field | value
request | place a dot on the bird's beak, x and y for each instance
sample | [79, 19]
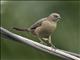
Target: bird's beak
[59, 18]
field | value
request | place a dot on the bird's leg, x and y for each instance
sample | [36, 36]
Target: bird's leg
[41, 41]
[50, 42]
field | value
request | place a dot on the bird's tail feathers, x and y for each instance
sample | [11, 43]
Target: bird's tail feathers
[19, 29]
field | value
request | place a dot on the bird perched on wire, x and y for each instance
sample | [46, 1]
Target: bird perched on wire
[44, 28]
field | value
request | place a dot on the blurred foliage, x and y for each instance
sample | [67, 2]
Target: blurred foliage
[24, 13]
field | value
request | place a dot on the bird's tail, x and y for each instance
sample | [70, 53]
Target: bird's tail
[19, 29]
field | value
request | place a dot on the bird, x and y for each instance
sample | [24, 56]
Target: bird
[44, 28]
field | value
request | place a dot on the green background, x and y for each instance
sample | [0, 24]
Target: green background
[23, 14]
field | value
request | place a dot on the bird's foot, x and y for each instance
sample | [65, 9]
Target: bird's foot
[52, 46]
[43, 43]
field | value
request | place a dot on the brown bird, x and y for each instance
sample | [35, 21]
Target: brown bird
[44, 28]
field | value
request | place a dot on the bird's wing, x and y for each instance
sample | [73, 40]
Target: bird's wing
[37, 24]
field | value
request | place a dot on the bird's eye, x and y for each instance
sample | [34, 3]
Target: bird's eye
[55, 16]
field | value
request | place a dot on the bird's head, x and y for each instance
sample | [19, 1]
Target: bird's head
[55, 17]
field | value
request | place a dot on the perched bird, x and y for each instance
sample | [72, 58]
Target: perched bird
[44, 28]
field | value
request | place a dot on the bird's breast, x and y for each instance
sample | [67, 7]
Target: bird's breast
[45, 29]
[49, 26]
